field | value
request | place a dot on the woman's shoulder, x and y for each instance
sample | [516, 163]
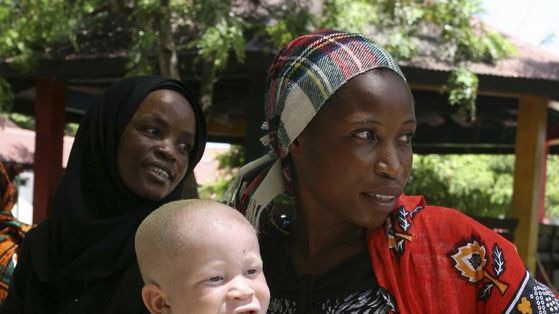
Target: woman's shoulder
[446, 250]
[414, 215]
[417, 207]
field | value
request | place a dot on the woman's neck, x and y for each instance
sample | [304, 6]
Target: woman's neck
[321, 242]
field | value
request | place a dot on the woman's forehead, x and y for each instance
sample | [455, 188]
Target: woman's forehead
[372, 89]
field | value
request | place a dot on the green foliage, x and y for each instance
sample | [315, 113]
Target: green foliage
[71, 128]
[353, 15]
[216, 41]
[28, 25]
[232, 159]
[290, 21]
[23, 121]
[462, 87]
[400, 45]
[494, 46]
[454, 19]
[221, 30]
[228, 164]
[138, 57]
[214, 191]
[468, 43]
[145, 15]
[552, 189]
[475, 184]
[6, 96]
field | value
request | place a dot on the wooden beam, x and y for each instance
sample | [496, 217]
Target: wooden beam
[486, 92]
[528, 173]
[229, 129]
[49, 133]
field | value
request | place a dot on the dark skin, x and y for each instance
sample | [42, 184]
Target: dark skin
[153, 154]
[350, 165]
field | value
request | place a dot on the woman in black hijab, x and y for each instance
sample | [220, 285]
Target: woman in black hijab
[131, 154]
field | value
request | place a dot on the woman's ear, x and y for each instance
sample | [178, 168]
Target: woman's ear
[295, 147]
[154, 298]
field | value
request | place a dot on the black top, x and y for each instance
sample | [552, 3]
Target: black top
[118, 293]
[85, 249]
[349, 287]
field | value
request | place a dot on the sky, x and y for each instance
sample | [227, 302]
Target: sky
[534, 21]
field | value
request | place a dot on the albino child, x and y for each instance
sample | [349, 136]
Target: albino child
[200, 256]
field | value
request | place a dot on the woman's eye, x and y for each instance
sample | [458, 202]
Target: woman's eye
[406, 138]
[183, 147]
[152, 131]
[365, 135]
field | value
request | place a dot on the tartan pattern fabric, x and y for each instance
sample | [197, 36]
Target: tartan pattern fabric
[305, 73]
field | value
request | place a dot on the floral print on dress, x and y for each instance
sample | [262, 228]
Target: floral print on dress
[400, 234]
[470, 260]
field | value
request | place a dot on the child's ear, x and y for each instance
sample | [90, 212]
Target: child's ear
[154, 298]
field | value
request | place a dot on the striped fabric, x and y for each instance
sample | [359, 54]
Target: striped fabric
[303, 76]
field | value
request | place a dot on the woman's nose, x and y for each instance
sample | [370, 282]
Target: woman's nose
[388, 163]
[165, 150]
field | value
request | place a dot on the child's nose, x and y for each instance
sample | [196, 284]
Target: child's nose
[240, 289]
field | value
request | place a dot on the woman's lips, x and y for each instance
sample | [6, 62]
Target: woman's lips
[382, 197]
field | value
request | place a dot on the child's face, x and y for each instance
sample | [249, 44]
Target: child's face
[223, 276]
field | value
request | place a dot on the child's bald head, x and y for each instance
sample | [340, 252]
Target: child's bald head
[174, 228]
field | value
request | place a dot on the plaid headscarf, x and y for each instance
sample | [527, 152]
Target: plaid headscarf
[305, 73]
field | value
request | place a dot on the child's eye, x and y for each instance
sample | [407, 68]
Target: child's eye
[365, 134]
[253, 271]
[215, 279]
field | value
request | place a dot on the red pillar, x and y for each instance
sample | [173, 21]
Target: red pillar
[49, 135]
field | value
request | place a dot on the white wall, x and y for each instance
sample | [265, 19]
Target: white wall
[23, 210]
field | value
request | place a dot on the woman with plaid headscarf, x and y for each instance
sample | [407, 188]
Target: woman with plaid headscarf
[340, 119]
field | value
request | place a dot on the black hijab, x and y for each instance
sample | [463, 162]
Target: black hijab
[90, 234]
